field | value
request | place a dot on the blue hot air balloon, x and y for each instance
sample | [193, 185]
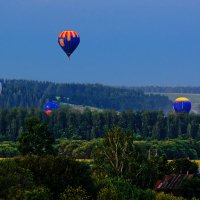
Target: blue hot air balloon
[182, 104]
[68, 40]
[49, 107]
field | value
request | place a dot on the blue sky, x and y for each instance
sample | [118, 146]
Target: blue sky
[123, 42]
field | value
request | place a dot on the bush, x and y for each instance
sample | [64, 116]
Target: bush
[36, 193]
[71, 193]
[107, 193]
[13, 177]
[191, 188]
[8, 149]
[57, 172]
[163, 196]
[118, 189]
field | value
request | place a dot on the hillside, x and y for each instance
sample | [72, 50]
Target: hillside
[27, 94]
[194, 98]
[192, 93]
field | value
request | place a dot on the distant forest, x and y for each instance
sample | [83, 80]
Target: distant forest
[87, 124]
[158, 89]
[27, 94]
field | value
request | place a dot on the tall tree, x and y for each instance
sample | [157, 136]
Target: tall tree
[36, 139]
[116, 150]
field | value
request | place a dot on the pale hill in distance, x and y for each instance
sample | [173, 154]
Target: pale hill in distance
[194, 98]
[192, 93]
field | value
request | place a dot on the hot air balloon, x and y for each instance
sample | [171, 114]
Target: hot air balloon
[68, 40]
[49, 107]
[182, 104]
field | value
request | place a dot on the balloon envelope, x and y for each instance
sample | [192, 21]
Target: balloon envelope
[68, 40]
[49, 107]
[182, 104]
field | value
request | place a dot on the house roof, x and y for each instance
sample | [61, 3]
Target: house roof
[171, 182]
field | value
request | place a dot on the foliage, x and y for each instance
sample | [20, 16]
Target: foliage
[120, 156]
[57, 172]
[184, 166]
[87, 124]
[163, 196]
[117, 149]
[44, 177]
[85, 150]
[118, 189]
[191, 188]
[171, 149]
[66, 147]
[71, 193]
[36, 139]
[13, 177]
[107, 194]
[174, 149]
[79, 149]
[35, 193]
[8, 149]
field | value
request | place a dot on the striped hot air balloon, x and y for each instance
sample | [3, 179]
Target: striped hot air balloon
[68, 40]
[182, 104]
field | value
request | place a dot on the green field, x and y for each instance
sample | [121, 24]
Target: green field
[194, 98]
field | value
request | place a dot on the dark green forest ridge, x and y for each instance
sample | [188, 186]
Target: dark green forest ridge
[26, 94]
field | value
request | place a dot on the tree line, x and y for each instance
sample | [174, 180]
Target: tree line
[171, 149]
[27, 94]
[159, 89]
[84, 149]
[86, 124]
